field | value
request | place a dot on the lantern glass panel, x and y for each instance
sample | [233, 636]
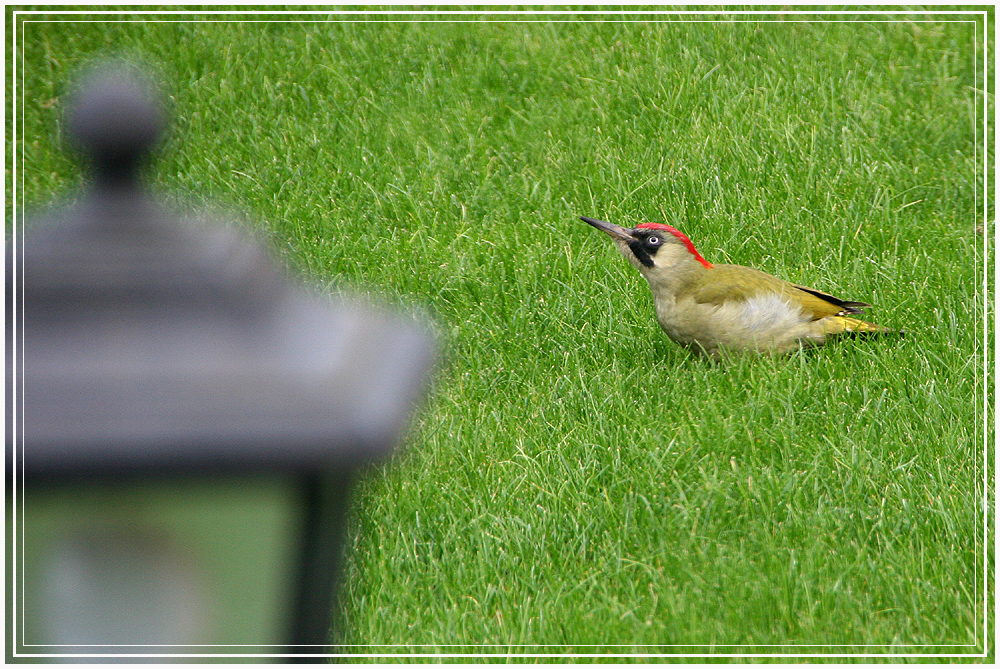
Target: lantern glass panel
[160, 567]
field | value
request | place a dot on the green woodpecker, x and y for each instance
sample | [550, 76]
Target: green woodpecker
[712, 308]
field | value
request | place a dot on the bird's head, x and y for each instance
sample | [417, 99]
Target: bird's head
[652, 247]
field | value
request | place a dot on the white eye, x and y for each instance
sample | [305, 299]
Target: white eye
[653, 241]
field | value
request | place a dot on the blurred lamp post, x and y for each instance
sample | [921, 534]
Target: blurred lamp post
[186, 421]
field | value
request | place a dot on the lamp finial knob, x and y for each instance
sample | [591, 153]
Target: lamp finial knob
[115, 118]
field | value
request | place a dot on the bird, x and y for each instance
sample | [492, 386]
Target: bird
[720, 309]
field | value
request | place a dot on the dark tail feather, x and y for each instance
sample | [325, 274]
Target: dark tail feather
[848, 306]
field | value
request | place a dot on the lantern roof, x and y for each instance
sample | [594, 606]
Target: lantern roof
[155, 340]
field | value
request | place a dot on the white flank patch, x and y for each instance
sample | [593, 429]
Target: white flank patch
[765, 315]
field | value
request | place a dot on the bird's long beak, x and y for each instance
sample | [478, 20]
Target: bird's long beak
[616, 231]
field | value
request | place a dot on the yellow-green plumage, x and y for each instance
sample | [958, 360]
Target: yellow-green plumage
[736, 282]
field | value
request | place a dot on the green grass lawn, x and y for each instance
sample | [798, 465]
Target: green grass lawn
[576, 482]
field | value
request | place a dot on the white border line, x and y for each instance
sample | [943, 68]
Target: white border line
[15, 341]
[986, 329]
[616, 17]
[457, 15]
[508, 12]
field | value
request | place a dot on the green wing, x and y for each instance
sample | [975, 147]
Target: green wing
[735, 283]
